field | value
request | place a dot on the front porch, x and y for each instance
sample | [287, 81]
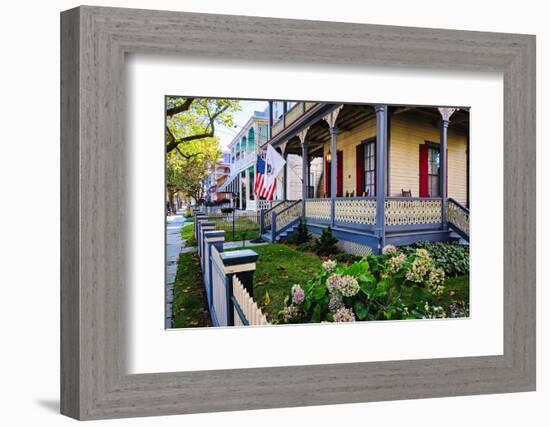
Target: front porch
[406, 221]
[390, 158]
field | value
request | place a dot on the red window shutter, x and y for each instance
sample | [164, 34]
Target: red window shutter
[359, 169]
[339, 175]
[327, 178]
[423, 171]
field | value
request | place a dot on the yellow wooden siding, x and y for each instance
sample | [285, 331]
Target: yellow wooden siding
[346, 142]
[405, 137]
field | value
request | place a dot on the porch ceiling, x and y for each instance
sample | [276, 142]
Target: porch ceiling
[318, 134]
[352, 116]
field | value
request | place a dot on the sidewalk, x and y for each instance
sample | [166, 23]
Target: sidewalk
[174, 246]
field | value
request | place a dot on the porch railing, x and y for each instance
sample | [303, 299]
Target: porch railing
[458, 218]
[318, 209]
[412, 210]
[355, 210]
[267, 204]
[265, 214]
[280, 220]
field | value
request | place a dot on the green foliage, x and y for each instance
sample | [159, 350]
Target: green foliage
[301, 234]
[278, 268]
[345, 258]
[188, 166]
[187, 235]
[226, 210]
[189, 307]
[452, 257]
[391, 286]
[193, 119]
[310, 246]
[327, 243]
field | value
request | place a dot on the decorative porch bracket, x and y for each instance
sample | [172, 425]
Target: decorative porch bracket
[381, 147]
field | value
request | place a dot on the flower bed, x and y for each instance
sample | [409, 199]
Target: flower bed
[392, 286]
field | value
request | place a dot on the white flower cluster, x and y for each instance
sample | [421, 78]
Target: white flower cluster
[290, 312]
[434, 312]
[395, 263]
[346, 286]
[335, 303]
[435, 281]
[421, 265]
[389, 250]
[329, 266]
[344, 315]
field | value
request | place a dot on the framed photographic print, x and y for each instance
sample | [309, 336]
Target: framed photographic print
[322, 212]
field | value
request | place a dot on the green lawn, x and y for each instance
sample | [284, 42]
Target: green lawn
[278, 268]
[242, 225]
[187, 234]
[189, 307]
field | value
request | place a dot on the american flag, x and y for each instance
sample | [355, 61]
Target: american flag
[260, 176]
[266, 182]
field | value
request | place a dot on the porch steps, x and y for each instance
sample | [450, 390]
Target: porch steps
[282, 236]
[455, 237]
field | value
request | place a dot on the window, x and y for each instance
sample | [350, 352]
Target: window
[433, 171]
[369, 178]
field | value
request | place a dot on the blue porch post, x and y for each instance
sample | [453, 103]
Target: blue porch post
[444, 126]
[285, 172]
[381, 147]
[305, 175]
[333, 173]
[270, 110]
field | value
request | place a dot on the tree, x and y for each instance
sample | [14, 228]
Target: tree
[187, 167]
[192, 119]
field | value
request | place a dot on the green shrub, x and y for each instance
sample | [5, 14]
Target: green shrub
[301, 234]
[452, 257]
[310, 246]
[345, 258]
[390, 286]
[226, 210]
[327, 243]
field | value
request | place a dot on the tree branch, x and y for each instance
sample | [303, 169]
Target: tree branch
[207, 134]
[173, 144]
[180, 108]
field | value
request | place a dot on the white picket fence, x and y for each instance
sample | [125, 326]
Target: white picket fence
[229, 301]
[246, 311]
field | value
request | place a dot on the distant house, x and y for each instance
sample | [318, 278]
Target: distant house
[216, 179]
[386, 174]
[243, 151]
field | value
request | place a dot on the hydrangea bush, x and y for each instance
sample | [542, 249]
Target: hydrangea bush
[393, 285]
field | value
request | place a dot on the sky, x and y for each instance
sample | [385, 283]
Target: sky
[226, 134]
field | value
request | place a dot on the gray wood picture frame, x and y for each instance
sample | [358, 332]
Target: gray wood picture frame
[94, 381]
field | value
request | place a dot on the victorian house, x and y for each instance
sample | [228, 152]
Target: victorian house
[388, 174]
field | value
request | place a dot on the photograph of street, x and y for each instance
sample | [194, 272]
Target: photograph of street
[293, 212]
